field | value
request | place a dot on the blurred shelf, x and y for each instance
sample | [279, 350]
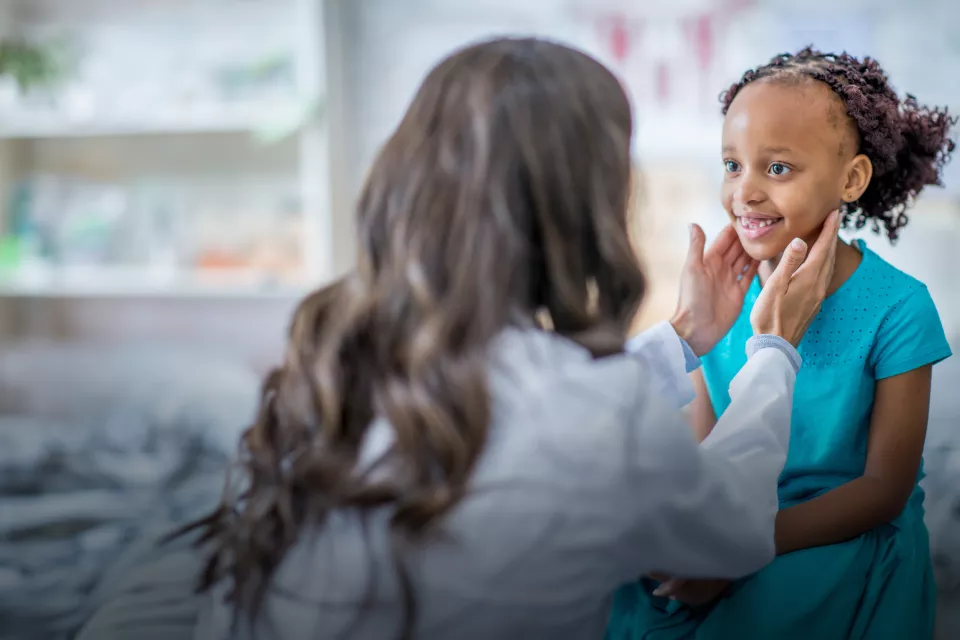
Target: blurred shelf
[127, 283]
[250, 118]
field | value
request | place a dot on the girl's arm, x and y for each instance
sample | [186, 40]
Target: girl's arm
[898, 427]
[700, 412]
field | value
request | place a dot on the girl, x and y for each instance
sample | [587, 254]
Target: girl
[853, 557]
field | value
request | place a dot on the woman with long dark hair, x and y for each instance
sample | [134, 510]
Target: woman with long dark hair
[458, 444]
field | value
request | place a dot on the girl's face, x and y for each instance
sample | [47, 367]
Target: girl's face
[789, 154]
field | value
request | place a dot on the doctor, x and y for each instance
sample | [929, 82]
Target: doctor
[431, 463]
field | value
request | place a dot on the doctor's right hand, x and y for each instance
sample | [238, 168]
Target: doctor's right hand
[793, 294]
[712, 287]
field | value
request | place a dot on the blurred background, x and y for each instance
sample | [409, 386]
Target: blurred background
[175, 174]
[182, 170]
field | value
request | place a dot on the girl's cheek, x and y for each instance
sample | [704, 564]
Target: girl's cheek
[796, 209]
[726, 200]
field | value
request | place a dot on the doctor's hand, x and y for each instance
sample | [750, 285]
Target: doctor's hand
[712, 287]
[694, 593]
[792, 295]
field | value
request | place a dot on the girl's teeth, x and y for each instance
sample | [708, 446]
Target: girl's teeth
[757, 224]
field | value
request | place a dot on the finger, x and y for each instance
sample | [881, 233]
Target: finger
[747, 279]
[829, 234]
[740, 265]
[733, 253]
[826, 244]
[725, 240]
[789, 264]
[823, 254]
[697, 242]
[728, 243]
[669, 588]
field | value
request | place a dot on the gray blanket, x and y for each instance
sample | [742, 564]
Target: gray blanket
[98, 450]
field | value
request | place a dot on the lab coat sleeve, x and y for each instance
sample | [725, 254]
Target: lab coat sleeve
[662, 348]
[705, 510]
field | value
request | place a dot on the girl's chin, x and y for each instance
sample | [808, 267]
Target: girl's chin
[766, 249]
[762, 255]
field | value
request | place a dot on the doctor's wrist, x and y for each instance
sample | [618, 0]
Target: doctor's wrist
[686, 328]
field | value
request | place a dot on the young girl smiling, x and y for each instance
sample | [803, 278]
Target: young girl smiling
[804, 135]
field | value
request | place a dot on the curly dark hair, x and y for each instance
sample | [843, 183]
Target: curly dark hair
[907, 143]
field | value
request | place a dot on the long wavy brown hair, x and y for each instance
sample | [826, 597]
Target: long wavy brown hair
[502, 196]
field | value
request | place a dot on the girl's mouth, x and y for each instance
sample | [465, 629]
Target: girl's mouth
[757, 227]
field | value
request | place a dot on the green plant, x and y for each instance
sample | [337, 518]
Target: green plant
[29, 64]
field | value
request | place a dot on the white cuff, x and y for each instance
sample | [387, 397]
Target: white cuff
[663, 350]
[765, 341]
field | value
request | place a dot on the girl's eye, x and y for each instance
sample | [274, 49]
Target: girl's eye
[731, 166]
[779, 169]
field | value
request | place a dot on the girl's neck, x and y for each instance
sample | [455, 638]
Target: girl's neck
[848, 259]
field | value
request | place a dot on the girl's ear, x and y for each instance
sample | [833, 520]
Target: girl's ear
[859, 172]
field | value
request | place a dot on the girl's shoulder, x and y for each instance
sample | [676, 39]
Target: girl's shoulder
[880, 316]
[885, 284]
[872, 290]
[875, 291]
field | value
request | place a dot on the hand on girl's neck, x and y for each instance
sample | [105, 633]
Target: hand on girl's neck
[848, 259]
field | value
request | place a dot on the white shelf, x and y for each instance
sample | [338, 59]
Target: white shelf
[257, 118]
[133, 283]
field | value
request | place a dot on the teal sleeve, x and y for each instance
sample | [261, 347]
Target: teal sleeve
[911, 336]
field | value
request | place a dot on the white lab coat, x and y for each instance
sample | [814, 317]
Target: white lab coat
[590, 478]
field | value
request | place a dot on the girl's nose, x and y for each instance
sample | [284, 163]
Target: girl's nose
[749, 190]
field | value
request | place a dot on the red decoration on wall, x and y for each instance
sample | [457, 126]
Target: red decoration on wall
[619, 39]
[620, 34]
[703, 41]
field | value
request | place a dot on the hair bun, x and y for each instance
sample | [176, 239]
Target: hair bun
[926, 145]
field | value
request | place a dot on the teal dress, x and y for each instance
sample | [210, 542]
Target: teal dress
[879, 323]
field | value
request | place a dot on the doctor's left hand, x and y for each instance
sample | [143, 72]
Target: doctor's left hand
[694, 593]
[712, 287]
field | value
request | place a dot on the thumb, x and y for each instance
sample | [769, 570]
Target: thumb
[669, 587]
[792, 258]
[698, 241]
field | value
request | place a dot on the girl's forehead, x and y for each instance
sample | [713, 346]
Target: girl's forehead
[802, 114]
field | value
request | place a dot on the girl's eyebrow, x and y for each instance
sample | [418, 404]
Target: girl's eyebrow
[729, 148]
